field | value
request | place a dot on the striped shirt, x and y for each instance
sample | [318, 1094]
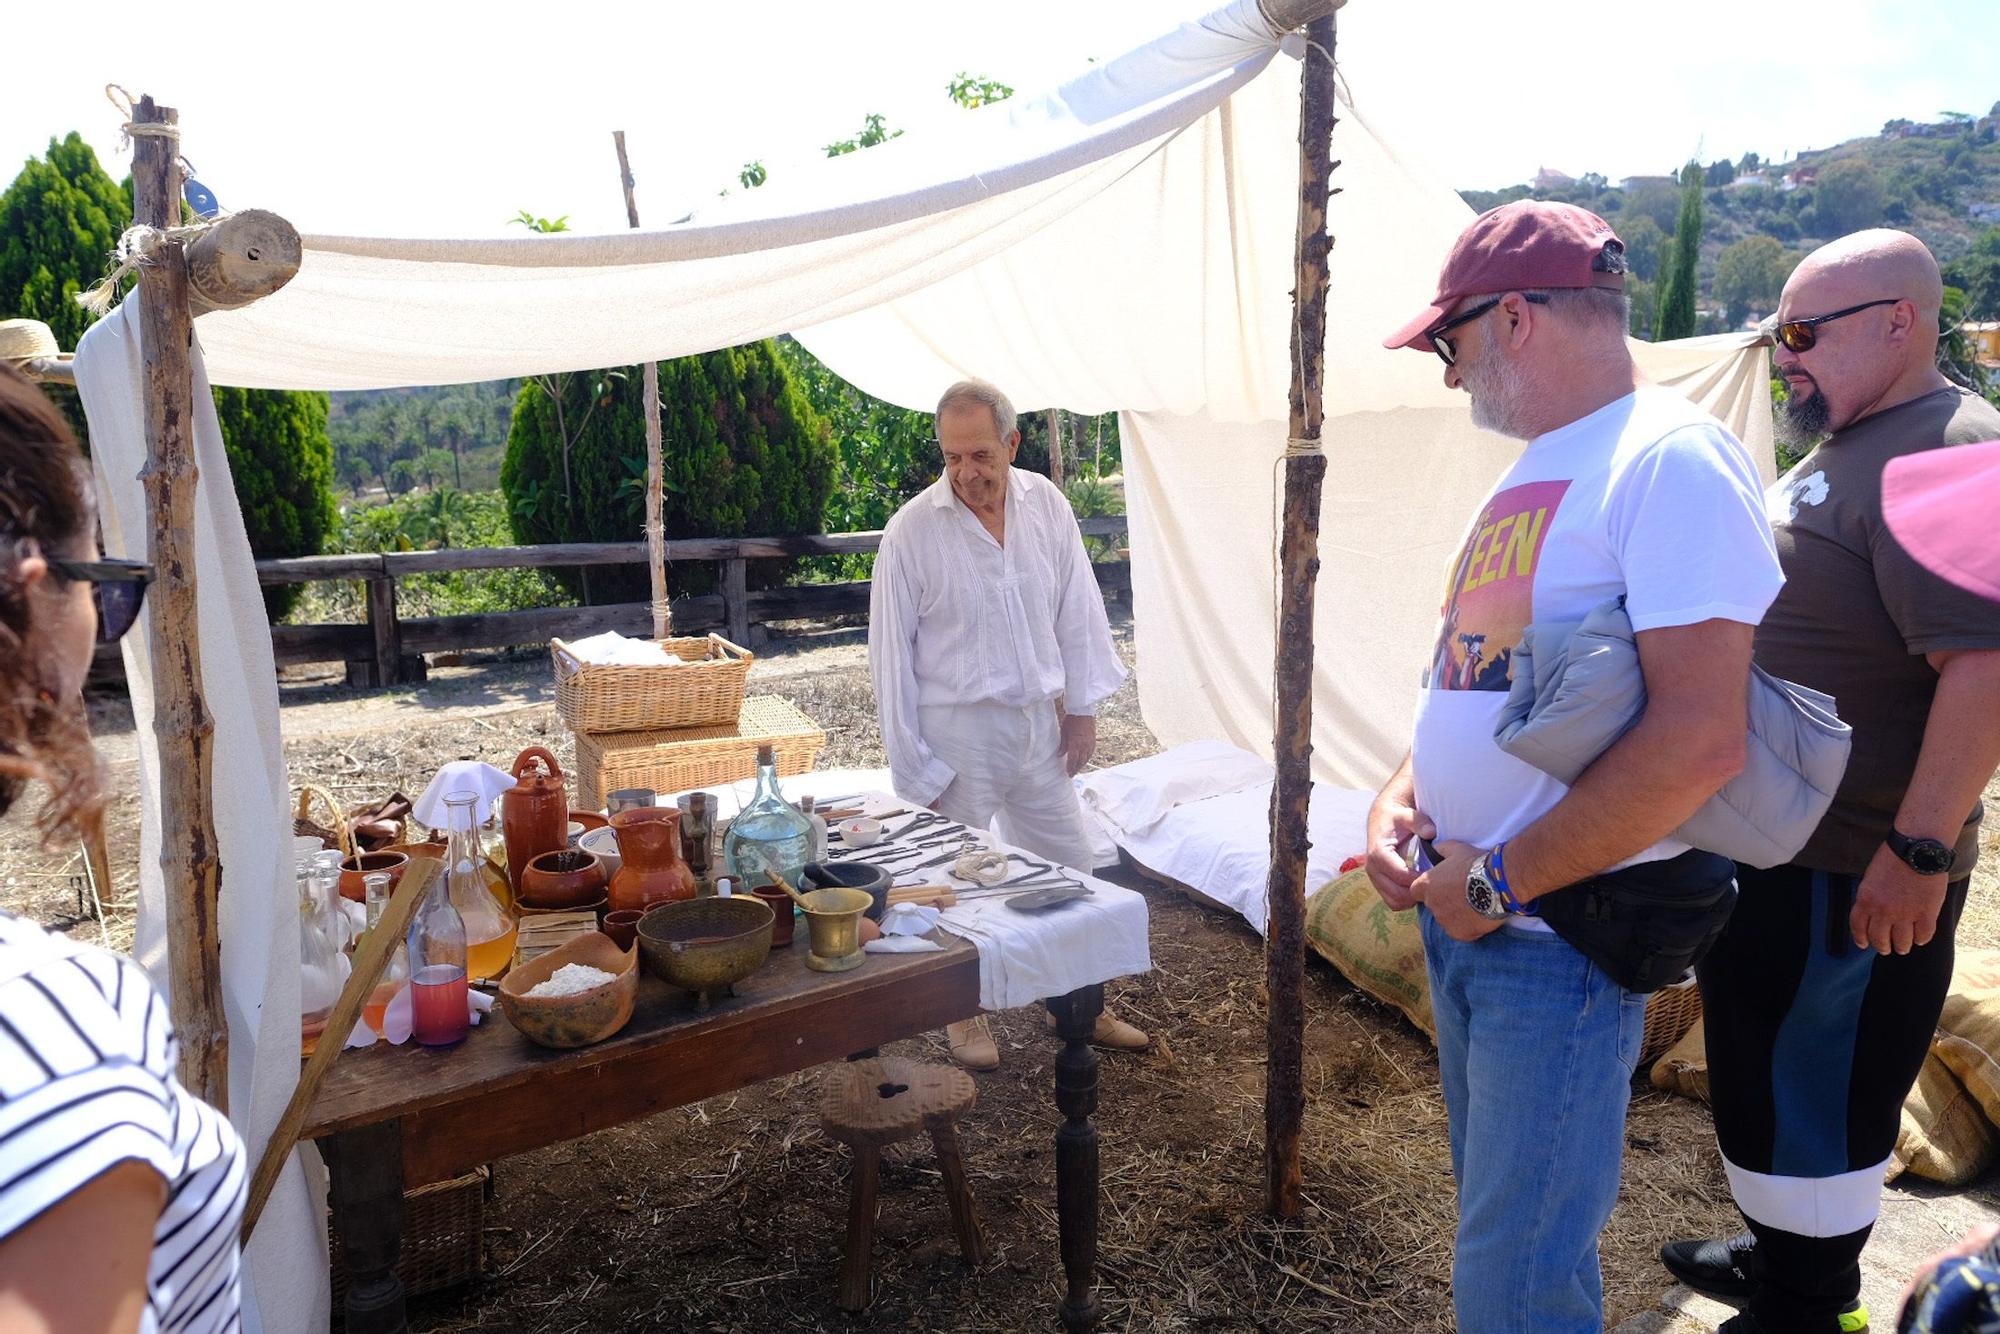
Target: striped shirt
[87, 1082]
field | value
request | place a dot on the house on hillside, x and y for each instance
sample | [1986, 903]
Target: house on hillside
[1984, 335]
[1799, 177]
[1757, 177]
[1548, 178]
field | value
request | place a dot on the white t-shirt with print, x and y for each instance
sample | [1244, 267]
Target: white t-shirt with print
[1650, 497]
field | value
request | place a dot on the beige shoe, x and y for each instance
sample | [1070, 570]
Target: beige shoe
[972, 1044]
[1112, 1032]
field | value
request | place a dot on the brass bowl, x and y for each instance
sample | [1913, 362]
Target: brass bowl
[706, 945]
[579, 1020]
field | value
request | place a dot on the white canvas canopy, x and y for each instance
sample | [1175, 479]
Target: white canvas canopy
[1123, 242]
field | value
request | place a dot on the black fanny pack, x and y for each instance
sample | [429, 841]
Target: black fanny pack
[1648, 924]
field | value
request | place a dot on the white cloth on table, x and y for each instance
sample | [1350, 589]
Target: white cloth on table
[1133, 795]
[1026, 957]
[958, 618]
[1009, 776]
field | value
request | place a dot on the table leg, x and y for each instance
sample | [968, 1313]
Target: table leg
[1076, 1152]
[365, 1185]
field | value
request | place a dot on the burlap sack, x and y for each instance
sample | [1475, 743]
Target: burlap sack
[1945, 1137]
[1968, 1037]
[1380, 951]
[1684, 1067]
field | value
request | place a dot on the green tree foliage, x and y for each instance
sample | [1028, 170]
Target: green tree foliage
[1645, 245]
[59, 222]
[281, 464]
[744, 454]
[1654, 197]
[1977, 274]
[1849, 196]
[1677, 297]
[1720, 173]
[1750, 274]
[544, 225]
[874, 130]
[972, 91]
[1957, 358]
[752, 175]
[887, 454]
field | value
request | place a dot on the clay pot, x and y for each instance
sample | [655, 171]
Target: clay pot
[650, 868]
[534, 813]
[781, 907]
[588, 819]
[565, 879]
[353, 871]
[622, 927]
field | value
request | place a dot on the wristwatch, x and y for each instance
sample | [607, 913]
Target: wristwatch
[1482, 891]
[1925, 856]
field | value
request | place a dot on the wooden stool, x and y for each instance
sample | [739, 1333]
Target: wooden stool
[869, 1104]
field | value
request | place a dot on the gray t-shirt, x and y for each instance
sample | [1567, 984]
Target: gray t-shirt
[1857, 615]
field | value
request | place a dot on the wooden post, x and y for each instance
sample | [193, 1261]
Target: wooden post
[388, 634]
[736, 600]
[182, 726]
[1076, 1153]
[1305, 470]
[240, 259]
[656, 545]
[1055, 446]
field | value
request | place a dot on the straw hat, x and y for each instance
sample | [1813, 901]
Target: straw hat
[28, 340]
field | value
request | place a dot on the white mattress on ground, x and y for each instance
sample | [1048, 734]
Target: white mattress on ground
[1221, 844]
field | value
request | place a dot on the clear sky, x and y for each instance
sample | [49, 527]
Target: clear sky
[433, 118]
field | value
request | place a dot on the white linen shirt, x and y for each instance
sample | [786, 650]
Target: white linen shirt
[957, 618]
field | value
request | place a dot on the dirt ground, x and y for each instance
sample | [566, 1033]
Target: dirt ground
[729, 1215]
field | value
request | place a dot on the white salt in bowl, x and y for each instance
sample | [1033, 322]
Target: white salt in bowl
[604, 844]
[860, 832]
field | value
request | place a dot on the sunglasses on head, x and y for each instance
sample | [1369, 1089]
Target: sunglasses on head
[1446, 349]
[1800, 335]
[117, 588]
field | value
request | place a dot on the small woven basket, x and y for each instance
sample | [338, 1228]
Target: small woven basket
[674, 761]
[1670, 1013]
[444, 1229]
[706, 690]
[304, 825]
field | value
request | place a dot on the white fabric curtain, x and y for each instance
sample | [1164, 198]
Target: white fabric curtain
[285, 1284]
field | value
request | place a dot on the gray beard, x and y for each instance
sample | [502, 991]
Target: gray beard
[1804, 420]
[1498, 387]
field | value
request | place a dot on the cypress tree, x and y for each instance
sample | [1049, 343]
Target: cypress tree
[1677, 296]
[281, 466]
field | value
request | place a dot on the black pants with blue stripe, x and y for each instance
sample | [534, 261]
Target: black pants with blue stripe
[1813, 1044]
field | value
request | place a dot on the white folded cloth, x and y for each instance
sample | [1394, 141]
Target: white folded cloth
[909, 919]
[614, 649]
[901, 945]
[482, 780]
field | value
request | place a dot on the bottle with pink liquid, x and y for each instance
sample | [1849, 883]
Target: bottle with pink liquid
[436, 945]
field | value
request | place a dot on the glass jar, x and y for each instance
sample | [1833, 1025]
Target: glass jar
[323, 967]
[769, 836]
[489, 927]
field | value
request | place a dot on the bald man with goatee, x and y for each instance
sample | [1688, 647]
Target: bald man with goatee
[1822, 994]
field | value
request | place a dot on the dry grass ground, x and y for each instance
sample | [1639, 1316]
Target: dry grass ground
[729, 1215]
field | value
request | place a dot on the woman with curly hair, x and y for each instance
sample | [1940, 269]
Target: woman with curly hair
[121, 1193]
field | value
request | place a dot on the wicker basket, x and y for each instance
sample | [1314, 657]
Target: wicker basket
[303, 824]
[696, 756]
[444, 1228]
[706, 690]
[1670, 1013]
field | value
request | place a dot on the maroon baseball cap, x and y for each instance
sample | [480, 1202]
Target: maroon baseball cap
[1527, 246]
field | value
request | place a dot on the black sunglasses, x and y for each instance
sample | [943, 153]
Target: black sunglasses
[1446, 349]
[117, 588]
[1799, 335]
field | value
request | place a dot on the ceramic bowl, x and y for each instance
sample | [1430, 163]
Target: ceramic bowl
[860, 832]
[603, 845]
[579, 1020]
[570, 878]
[353, 872]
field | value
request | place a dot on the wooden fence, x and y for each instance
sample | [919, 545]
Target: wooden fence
[385, 649]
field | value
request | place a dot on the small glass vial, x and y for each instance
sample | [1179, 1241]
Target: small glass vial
[396, 972]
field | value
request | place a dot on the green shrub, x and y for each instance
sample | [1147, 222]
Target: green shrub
[281, 464]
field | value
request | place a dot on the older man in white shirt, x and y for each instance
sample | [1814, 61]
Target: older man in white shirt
[991, 652]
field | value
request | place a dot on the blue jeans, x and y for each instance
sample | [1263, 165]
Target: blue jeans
[1536, 1046]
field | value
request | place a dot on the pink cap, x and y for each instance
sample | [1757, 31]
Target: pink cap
[1940, 504]
[1526, 246]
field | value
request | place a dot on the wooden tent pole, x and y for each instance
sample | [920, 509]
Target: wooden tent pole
[1305, 470]
[656, 532]
[183, 729]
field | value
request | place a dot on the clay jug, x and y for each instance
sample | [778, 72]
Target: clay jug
[534, 813]
[651, 869]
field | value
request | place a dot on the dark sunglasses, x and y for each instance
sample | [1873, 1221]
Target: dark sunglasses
[1799, 335]
[1446, 349]
[117, 588]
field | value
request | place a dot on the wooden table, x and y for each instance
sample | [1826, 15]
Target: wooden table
[391, 1118]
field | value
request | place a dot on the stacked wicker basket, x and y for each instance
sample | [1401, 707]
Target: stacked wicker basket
[673, 727]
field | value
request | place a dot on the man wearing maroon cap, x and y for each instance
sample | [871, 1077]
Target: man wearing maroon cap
[1623, 490]
[1824, 992]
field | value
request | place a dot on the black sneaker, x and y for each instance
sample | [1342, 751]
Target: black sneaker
[1854, 1320]
[1725, 1268]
